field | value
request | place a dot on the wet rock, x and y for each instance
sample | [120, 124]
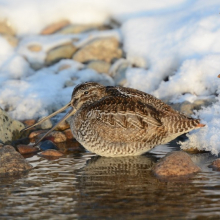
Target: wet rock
[23, 141]
[50, 153]
[58, 136]
[36, 65]
[6, 28]
[33, 134]
[175, 164]
[118, 71]
[64, 51]
[11, 161]
[55, 136]
[9, 128]
[45, 145]
[63, 126]
[35, 47]
[26, 149]
[105, 49]
[29, 122]
[68, 133]
[215, 165]
[99, 66]
[46, 124]
[52, 28]
[76, 29]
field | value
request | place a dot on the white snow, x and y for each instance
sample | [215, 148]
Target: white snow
[173, 46]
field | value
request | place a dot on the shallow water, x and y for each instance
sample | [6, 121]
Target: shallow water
[81, 185]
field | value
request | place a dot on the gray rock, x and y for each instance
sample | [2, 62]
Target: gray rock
[46, 124]
[188, 107]
[118, 71]
[76, 29]
[11, 162]
[175, 164]
[64, 51]
[9, 128]
[99, 66]
[105, 49]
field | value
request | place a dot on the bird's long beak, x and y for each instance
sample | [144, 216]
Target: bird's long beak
[71, 112]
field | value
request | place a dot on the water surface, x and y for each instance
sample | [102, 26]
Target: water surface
[81, 185]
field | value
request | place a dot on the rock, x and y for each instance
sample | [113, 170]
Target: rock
[76, 29]
[63, 126]
[45, 145]
[52, 28]
[35, 47]
[6, 28]
[51, 153]
[26, 149]
[54, 136]
[29, 122]
[12, 40]
[118, 71]
[36, 133]
[23, 141]
[99, 66]
[64, 67]
[175, 164]
[36, 65]
[11, 161]
[9, 128]
[69, 83]
[188, 107]
[64, 51]
[68, 133]
[215, 165]
[58, 136]
[105, 49]
[46, 124]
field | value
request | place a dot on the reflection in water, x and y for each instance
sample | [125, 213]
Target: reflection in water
[84, 186]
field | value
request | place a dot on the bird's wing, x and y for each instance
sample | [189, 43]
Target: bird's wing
[121, 118]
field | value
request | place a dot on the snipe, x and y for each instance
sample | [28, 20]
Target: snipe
[118, 121]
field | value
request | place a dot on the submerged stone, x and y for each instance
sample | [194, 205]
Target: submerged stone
[45, 145]
[175, 164]
[51, 153]
[215, 165]
[26, 149]
[11, 161]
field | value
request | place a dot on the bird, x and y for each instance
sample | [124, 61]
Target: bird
[116, 121]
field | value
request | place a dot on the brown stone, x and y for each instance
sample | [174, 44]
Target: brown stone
[5, 28]
[51, 153]
[26, 149]
[76, 29]
[215, 165]
[99, 66]
[64, 67]
[54, 136]
[52, 28]
[63, 126]
[11, 161]
[64, 51]
[68, 133]
[12, 40]
[36, 133]
[99, 49]
[35, 47]
[29, 122]
[175, 164]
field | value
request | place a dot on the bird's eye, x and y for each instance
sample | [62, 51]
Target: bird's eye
[86, 92]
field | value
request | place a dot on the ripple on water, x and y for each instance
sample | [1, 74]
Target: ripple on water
[84, 186]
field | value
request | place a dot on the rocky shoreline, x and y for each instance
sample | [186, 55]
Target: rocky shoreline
[100, 50]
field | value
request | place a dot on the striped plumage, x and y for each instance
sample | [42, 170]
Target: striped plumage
[119, 121]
